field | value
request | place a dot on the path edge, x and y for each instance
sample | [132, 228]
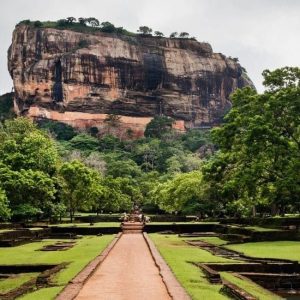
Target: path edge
[72, 289]
[174, 288]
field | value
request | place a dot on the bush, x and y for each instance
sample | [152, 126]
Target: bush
[6, 106]
[60, 130]
[84, 142]
[62, 22]
[4, 206]
[37, 24]
[158, 126]
[25, 22]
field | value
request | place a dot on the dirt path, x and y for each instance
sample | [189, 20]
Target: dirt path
[128, 273]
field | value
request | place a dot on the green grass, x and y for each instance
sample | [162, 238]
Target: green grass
[80, 255]
[177, 254]
[208, 239]
[260, 229]
[5, 230]
[13, 282]
[117, 224]
[189, 222]
[248, 285]
[41, 294]
[96, 225]
[278, 249]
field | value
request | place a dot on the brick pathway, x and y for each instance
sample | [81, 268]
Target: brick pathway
[128, 273]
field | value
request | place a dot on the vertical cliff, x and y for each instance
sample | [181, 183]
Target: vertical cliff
[80, 78]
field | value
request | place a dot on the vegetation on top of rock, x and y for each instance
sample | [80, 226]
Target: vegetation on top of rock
[93, 25]
[145, 30]
[84, 25]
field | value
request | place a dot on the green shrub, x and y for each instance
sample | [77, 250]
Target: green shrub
[6, 106]
[60, 130]
[37, 24]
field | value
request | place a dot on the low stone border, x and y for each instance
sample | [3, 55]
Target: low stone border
[212, 275]
[174, 288]
[72, 289]
[236, 292]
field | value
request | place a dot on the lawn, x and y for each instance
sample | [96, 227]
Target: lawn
[13, 282]
[5, 230]
[260, 229]
[179, 223]
[96, 225]
[277, 249]
[117, 224]
[80, 255]
[178, 254]
[250, 286]
[208, 239]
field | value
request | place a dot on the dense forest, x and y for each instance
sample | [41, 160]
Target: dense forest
[249, 165]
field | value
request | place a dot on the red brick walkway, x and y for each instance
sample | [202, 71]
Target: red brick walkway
[127, 273]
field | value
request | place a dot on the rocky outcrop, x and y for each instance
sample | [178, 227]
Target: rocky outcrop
[79, 78]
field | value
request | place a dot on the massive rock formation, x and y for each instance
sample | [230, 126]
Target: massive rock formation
[79, 78]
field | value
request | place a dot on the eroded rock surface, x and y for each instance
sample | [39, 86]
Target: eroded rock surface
[79, 78]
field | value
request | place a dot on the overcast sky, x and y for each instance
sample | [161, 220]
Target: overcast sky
[263, 34]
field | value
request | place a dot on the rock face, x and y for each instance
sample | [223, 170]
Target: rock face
[80, 78]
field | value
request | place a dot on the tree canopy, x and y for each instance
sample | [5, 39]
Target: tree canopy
[259, 145]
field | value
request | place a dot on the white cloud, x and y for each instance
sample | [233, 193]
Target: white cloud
[261, 33]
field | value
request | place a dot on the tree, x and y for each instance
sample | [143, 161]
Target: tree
[158, 126]
[93, 22]
[194, 139]
[37, 24]
[147, 154]
[5, 211]
[181, 191]
[26, 212]
[80, 186]
[123, 168]
[110, 143]
[145, 30]
[258, 156]
[62, 22]
[27, 187]
[28, 163]
[71, 20]
[113, 120]
[184, 35]
[118, 194]
[108, 27]
[83, 21]
[113, 123]
[59, 130]
[173, 35]
[6, 107]
[84, 142]
[183, 162]
[23, 146]
[158, 33]
[94, 160]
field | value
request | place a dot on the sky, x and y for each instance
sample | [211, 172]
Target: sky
[263, 34]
